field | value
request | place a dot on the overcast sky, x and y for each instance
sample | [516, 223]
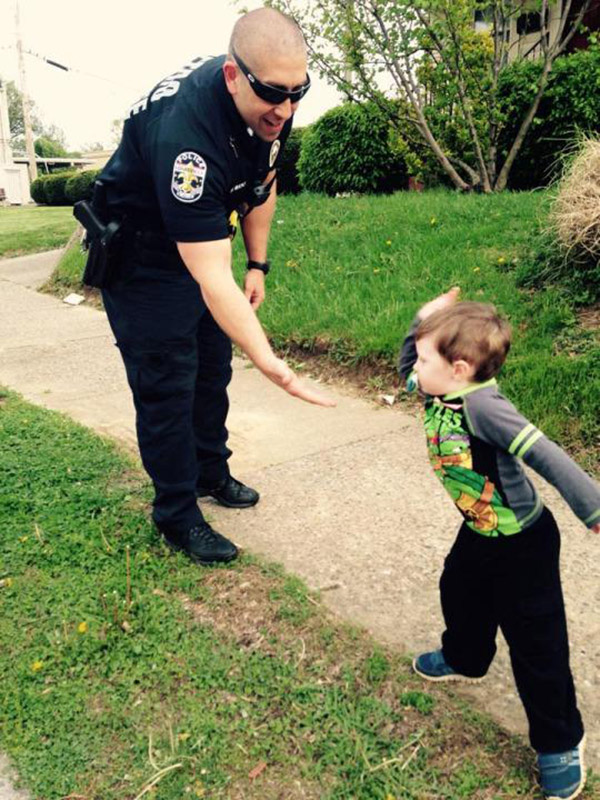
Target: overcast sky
[128, 44]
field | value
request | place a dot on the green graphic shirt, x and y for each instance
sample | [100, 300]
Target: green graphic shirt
[476, 440]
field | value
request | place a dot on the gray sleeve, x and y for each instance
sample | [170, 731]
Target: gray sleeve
[408, 353]
[494, 419]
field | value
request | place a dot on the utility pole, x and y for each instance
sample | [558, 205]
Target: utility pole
[6, 156]
[29, 148]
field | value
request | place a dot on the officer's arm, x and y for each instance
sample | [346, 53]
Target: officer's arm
[210, 265]
[257, 224]
[255, 227]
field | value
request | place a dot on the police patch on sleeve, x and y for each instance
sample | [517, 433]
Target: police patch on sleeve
[275, 147]
[189, 173]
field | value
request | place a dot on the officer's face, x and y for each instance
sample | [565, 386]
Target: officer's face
[266, 119]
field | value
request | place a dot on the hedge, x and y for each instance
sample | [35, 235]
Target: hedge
[37, 190]
[54, 188]
[64, 188]
[349, 149]
[80, 185]
[288, 180]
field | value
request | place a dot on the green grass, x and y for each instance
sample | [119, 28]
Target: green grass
[121, 662]
[32, 230]
[350, 273]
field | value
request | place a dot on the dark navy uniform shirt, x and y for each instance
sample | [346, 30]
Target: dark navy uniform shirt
[187, 159]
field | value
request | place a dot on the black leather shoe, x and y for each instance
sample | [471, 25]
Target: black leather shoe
[201, 543]
[231, 493]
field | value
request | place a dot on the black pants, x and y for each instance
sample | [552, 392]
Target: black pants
[178, 364]
[513, 582]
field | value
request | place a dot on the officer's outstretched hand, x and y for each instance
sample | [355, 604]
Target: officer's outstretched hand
[254, 287]
[283, 376]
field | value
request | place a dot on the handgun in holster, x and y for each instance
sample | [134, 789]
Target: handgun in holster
[102, 238]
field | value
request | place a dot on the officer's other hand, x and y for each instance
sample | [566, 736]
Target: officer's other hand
[279, 372]
[254, 287]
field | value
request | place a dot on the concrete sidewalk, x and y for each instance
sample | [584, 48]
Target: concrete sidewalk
[349, 501]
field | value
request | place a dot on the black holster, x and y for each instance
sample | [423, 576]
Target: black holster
[103, 238]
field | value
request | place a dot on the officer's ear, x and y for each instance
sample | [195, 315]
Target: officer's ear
[231, 73]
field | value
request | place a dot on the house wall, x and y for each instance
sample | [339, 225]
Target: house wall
[14, 179]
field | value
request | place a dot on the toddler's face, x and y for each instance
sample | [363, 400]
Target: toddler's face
[436, 375]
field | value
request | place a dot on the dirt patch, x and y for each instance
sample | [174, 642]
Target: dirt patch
[274, 784]
[589, 318]
[272, 615]
[369, 377]
[251, 606]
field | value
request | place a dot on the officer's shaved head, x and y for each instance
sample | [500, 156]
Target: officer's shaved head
[265, 33]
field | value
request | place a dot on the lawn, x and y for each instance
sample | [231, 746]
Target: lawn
[26, 230]
[124, 666]
[349, 274]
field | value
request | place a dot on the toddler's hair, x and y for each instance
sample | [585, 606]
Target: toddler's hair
[472, 332]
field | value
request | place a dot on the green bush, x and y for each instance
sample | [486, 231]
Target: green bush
[49, 148]
[54, 188]
[349, 149]
[37, 190]
[570, 105]
[288, 180]
[80, 185]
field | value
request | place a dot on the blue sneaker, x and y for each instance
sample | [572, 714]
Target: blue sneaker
[562, 775]
[433, 667]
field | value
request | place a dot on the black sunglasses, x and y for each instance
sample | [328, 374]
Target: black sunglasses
[272, 94]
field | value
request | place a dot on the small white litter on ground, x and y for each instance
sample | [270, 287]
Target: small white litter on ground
[74, 299]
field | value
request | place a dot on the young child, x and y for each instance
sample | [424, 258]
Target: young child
[503, 569]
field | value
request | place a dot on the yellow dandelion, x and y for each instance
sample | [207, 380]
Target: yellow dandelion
[37, 666]
[476, 269]
[23, 539]
[6, 583]
[375, 271]
[388, 241]
[433, 221]
[82, 627]
[501, 260]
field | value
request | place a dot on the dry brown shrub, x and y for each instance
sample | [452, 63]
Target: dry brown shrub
[576, 212]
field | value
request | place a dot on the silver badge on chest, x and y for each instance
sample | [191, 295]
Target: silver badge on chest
[275, 148]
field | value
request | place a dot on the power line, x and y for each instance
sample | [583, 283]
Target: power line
[53, 63]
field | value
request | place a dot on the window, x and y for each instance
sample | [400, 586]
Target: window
[530, 22]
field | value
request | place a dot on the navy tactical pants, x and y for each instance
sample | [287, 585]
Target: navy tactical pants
[178, 364]
[513, 582]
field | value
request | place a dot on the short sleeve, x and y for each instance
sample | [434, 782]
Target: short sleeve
[191, 189]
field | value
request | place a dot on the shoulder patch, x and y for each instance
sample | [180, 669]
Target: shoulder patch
[189, 173]
[275, 147]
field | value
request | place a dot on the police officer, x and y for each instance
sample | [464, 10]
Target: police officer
[202, 146]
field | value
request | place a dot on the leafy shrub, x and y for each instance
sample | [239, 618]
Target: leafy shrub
[80, 185]
[54, 188]
[288, 180]
[37, 190]
[49, 148]
[350, 149]
[570, 105]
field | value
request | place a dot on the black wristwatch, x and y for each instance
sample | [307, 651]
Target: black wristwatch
[263, 266]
